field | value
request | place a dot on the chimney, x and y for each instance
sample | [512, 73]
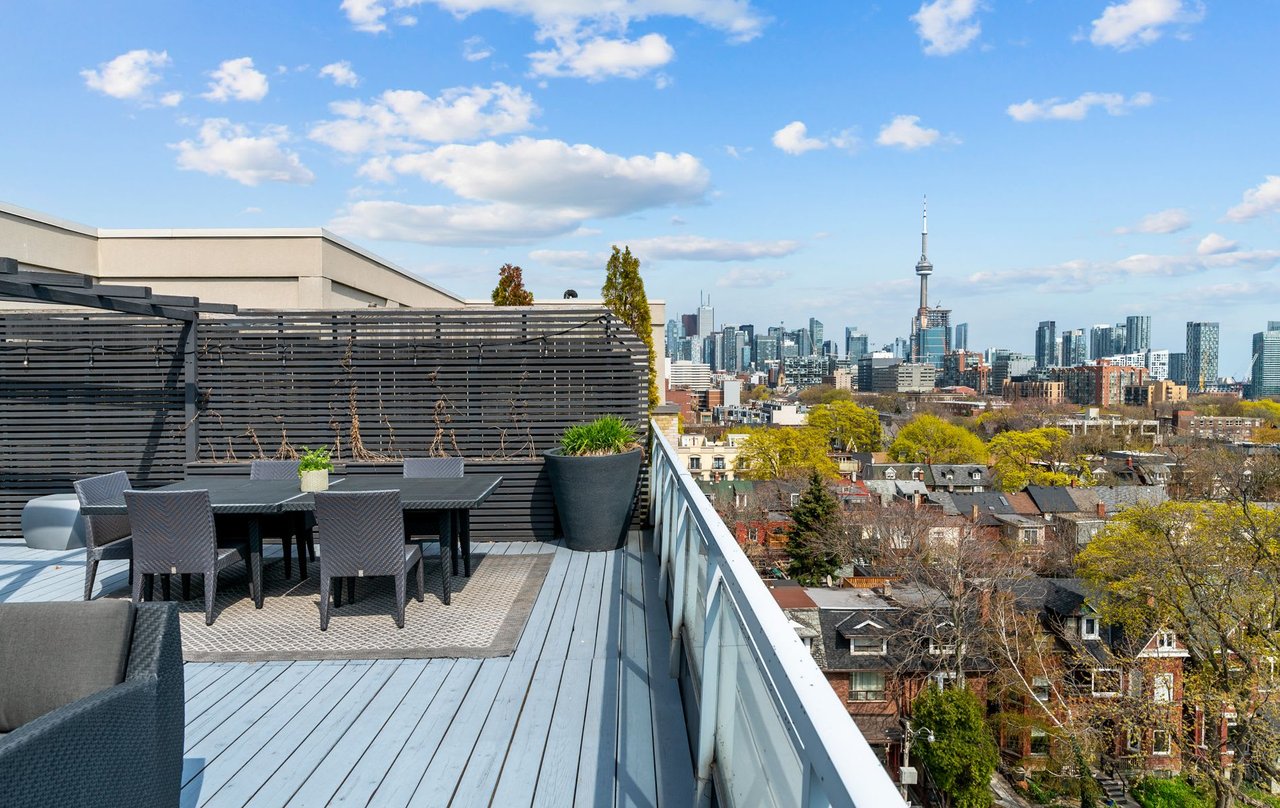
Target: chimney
[1102, 509]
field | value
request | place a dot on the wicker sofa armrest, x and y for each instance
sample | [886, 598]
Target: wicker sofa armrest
[96, 751]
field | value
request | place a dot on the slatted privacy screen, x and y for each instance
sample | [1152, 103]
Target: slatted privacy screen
[496, 386]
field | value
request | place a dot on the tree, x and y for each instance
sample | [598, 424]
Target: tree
[758, 393]
[1208, 572]
[929, 439]
[1033, 457]
[814, 517]
[956, 745]
[772, 452]
[624, 295]
[510, 290]
[847, 426]
[823, 394]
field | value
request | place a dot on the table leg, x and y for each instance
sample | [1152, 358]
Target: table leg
[465, 518]
[255, 561]
[304, 537]
[446, 553]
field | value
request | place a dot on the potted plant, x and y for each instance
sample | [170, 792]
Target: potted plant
[593, 476]
[313, 469]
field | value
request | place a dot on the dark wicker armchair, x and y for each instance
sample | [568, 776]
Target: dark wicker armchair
[173, 533]
[105, 680]
[105, 536]
[362, 536]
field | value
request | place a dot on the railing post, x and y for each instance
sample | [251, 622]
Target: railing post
[676, 522]
[656, 459]
[708, 703]
[680, 595]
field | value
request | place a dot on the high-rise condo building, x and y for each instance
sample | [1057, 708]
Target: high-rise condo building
[1266, 362]
[1046, 344]
[961, 341]
[1202, 356]
[706, 319]
[815, 336]
[855, 343]
[1137, 333]
[1075, 348]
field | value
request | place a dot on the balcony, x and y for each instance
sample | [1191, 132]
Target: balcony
[661, 673]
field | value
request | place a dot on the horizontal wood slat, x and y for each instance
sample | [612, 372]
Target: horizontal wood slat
[86, 394]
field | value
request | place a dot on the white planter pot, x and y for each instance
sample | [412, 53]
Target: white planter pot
[315, 480]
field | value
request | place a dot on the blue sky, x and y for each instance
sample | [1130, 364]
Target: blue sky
[1083, 161]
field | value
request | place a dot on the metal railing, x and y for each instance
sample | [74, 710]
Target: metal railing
[771, 731]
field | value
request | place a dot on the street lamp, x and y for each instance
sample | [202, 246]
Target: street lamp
[907, 772]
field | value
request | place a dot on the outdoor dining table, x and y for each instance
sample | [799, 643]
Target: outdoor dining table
[449, 499]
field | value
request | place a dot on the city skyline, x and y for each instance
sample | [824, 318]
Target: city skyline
[774, 153]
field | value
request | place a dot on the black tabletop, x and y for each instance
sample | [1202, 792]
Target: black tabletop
[238, 495]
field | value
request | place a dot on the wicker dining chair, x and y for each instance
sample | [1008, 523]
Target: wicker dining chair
[362, 536]
[104, 536]
[290, 527]
[173, 533]
[420, 467]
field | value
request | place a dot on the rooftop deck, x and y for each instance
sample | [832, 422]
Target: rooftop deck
[583, 713]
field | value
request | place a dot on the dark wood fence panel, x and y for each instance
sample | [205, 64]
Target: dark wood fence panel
[83, 395]
[496, 386]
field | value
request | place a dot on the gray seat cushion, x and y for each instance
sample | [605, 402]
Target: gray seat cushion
[57, 653]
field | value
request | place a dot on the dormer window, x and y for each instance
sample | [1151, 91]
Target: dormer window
[1089, 628]
[866, 645]
[977, 475]
[1165, 641]
[943, 648]
[917, 474]
[890, 474]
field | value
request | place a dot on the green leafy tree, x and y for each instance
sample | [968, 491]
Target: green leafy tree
[1019, 458]
[929, 439]
[847, 426]
[510, 290]
[823, 394]
[956, 745]
[772, 452]
[759, 393]
[814, 518]
[1208, 572]
[624, 295]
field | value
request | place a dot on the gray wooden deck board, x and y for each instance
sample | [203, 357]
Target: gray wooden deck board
[583, 712]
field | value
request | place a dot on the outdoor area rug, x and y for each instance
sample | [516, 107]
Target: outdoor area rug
[485, 619]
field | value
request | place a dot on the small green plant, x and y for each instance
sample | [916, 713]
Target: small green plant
[1153, 792]
[604, 436]
[315, 460]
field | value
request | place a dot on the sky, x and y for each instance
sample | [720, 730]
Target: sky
[1083, 161]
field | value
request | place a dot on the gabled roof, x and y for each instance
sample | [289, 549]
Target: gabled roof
[986, 502]
[960, 474]
[1119, 497]
[1023, 503]
[1052, 498]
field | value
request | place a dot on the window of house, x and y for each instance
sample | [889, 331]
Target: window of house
[936, 647]
[1089, 628]
[945, 680]
[695, 462]
[753, 534]
[795, 497]
[1133, 740]
[1040, 688]
[1163, 688]
[1165, 641]
[1161, 742]
[1106, 682]
[917, 474]
[1030, 535]
[977, 475]
[890, 474]
[866, 686]
[1039, 741]
[866, 645]
[717, 463]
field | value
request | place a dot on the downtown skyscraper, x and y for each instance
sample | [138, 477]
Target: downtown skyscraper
[1202, 356]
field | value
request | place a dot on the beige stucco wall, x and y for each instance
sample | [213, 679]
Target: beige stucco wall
[47, 243]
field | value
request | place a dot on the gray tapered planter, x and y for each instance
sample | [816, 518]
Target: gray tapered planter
[594, 497]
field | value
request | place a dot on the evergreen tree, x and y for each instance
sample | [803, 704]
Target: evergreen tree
[813, 519]
[624, 295]
[956, 745]
[510, 290]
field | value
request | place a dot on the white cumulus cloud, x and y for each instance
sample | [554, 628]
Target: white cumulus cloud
[237, 80]
[701, 248]
[522, 191]
[1171, 220]
[130, 75]
[399, 120]
[750, 277]
[224, 149]
[341, 74]
[905, 132]
[794, 139]
[947, 26]
[1214, 244]
[366, 15]
[1055, 109]
[1259, 200]
[1132, 23]
[599, 58]
[1080, 276]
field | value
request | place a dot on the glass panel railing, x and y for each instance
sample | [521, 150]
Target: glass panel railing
[771, 731]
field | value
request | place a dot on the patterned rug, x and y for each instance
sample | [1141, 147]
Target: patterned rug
[485, 619]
